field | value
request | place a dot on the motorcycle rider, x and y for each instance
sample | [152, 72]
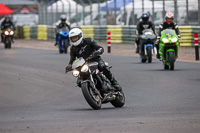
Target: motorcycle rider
[60, 24]
[7, 23]
[143, 24]
[87, 47]
[167, 24]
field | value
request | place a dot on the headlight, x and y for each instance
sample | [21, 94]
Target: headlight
[84, 68]
[165, 40]
[12, 32]
[6, 33]
[174, 40]
[75, 73]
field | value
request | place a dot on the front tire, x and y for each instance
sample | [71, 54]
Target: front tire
[65, 45]
[93, 100]
[5, 43]
[149, 54]
[119, 101]
[171, 60]
[9, 44]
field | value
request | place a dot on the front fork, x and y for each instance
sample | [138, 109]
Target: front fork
[162, 48]
[154, 50]
[90, 82]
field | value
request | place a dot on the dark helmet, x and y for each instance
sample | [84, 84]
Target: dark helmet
[7, 18]
[63, 18]
[145, 16]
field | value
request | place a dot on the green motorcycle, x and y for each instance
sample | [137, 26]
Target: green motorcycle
[168, 48]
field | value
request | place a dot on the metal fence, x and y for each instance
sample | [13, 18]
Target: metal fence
[119, 12]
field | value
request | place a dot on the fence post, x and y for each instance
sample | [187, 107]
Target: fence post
[108, 41]
[196, 44]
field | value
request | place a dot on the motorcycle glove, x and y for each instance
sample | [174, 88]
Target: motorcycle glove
[179, 37]
[97, 53]
[68, 68]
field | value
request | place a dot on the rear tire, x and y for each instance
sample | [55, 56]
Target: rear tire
[94, 102]
[119, 101]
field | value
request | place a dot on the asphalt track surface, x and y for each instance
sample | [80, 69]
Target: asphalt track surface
[36, 96]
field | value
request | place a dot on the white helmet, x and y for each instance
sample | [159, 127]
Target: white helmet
[76, 32]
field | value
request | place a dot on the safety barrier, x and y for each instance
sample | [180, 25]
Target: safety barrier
[119, 34]
[26, 30]
[116, 33]
[88, 31]
[42, 32]
[187, 34]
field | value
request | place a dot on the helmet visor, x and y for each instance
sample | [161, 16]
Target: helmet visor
[169, 19]
[74, 38]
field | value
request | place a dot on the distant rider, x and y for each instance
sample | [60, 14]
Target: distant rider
[60, 24]
[168, 24]
[143, 24]
[7, 23]
[87, 47]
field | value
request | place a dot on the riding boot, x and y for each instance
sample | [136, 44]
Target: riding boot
[137, 50]
[158, 56]
[137, 43]
[56, 40]
[157, 47]
[12, 40]
[138, 47]
[113, 81]
[1, 38]
[115, 84]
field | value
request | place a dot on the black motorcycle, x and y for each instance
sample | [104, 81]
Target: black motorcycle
[147, 45]
[8, 36]
[96, 88]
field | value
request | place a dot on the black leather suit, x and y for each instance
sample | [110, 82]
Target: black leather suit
[87, 47]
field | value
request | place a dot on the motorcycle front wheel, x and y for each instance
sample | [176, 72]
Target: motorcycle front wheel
[149, 54]
[65, 45]
[92, 99]
[171, 60]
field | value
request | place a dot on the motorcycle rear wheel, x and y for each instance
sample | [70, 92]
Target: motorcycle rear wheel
[119, 101]
[93, 100]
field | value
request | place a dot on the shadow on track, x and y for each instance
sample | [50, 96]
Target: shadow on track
[90, 109]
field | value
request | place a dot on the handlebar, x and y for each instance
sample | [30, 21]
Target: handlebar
[89, 58]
